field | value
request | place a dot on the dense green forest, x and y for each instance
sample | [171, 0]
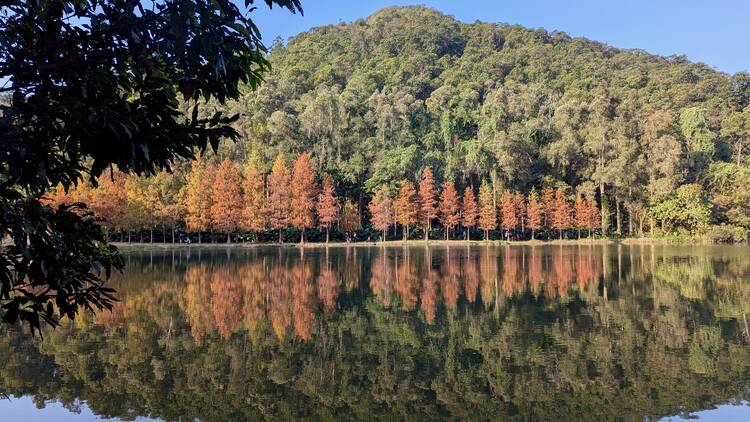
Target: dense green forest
[659, 143]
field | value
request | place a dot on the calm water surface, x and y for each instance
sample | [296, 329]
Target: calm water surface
[526, 333]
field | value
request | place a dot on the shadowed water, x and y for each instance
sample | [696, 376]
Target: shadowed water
[532, 333]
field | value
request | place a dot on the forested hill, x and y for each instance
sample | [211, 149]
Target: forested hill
[377, 100]
[380, 98]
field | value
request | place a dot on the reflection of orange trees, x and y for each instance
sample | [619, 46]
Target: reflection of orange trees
[280, 300]
[303, 299]
[470, 276]
[381, 280]
[254, 285]
[588, 269]
[328, 289]
[536, 270]
[197, 301]
[488, 275]
[428, 296]
[513, 276]
[407, 281]
[351, 271]
[226, 299]
[450, 285]
[114, 317]
[561, 276]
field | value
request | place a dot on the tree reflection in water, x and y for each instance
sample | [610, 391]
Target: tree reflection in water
[578, 332]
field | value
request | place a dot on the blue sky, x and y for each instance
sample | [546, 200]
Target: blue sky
[715, 32]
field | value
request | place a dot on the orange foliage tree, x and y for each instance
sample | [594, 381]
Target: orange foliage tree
[428, 209]
[381, 209]
[328, 205]
[197, 197]
[278, 196]
[487, 215]
[535, 213]
[548, 205]
[581, 210]
[449, 208]
[254, 211]
[509, 219]
[303, 195]
[406, 206]
[109, 201]
[226, 199]
[561, 213]
[350, 220]
[170, 209]
[469, 212]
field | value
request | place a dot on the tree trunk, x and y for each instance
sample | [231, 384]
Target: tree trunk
[560, 234]
[579, 233]
[385, 232]
[630, 223]
[618, 216]
[280, 236]
[532, 234]
[604, 218]
[427, 231]
[229, 237]
[486, 235]
[172, 234]
[446, 234]
[151, 235]
[328, 229]
[200, 236]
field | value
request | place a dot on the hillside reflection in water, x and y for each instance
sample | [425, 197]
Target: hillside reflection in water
[579, 332]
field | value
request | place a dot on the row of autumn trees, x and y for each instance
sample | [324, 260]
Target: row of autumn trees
[225, 199]
[512, 213]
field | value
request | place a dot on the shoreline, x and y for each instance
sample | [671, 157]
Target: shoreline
[410, 243]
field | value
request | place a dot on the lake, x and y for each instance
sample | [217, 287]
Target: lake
[583, 332]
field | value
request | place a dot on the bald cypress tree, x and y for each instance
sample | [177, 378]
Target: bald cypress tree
[487, 214]
[469, 210]
[449, 208]
[226, 199]
[428, 210]
[303, 193]
[328, 206]
[406, 206]
[279, 196]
